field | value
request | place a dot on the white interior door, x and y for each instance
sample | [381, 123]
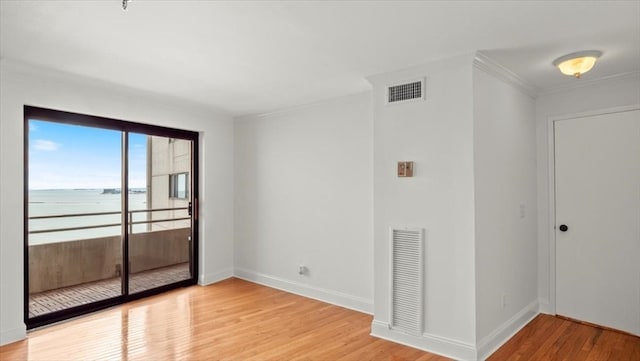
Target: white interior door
[597, 177]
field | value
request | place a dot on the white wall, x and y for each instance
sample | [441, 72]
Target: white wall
[437, 135]
[505, 180]
[304, 196]
[605, 94]
[22, 85]
[316, 185]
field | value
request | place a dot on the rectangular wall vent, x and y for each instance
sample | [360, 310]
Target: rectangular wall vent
[407, 91]
[406, 280]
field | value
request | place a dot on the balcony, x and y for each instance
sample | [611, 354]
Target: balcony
[76, 272]
[65, 297]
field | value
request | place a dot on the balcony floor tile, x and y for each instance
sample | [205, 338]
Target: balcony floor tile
[59, 299]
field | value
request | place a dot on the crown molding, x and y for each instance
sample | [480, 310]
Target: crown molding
[586, 83]
[37, 71]
[483, 62]
[301, 107]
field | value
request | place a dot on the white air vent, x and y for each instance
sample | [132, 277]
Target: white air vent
[413, 90]
[406, 280]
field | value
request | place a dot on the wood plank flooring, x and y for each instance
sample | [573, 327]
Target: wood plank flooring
[554, 338]
[239, 320]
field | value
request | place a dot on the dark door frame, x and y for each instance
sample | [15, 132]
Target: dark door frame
[126, 127]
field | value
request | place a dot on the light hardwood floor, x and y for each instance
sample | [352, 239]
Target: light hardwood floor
[238, 320]
[554, 338]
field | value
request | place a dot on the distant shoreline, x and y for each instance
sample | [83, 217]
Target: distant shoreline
[118, 191]
[47, 205]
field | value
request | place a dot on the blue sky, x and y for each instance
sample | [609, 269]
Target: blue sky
[63, 156]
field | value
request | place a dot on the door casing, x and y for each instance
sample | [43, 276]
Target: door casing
[551, 308]
[73, 118]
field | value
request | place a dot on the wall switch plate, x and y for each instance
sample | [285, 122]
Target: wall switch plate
[405, 169]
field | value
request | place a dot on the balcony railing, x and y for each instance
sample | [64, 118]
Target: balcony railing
[131, 222]
[93, 257]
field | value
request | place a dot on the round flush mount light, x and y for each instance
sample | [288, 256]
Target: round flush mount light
[576, 64]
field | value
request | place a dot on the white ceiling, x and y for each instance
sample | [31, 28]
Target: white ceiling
[250, 57]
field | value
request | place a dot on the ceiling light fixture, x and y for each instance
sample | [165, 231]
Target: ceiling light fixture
[125, 3]
[576, 64]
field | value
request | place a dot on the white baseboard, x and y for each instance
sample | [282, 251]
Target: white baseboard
[431, 343]
[456, 349]
[329, 296]
[209, 278]
[545, 306]
[492, 342]
[13, 335]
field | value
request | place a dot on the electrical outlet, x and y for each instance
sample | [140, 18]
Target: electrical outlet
[504, 300]
[302, 269]
[522, 210]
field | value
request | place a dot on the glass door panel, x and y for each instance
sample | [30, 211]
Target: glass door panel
[108, 212]
[74, 218]
[159, 199]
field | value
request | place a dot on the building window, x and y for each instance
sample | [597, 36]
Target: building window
[178, 186]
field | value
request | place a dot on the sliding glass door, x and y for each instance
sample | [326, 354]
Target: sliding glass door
[160, 231]
[110, 212]
[74, 221]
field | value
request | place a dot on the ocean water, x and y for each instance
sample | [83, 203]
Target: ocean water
[77, 201]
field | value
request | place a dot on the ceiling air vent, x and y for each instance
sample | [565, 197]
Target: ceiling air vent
[413, 90]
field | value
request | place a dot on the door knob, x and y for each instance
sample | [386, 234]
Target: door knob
[563, 227]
